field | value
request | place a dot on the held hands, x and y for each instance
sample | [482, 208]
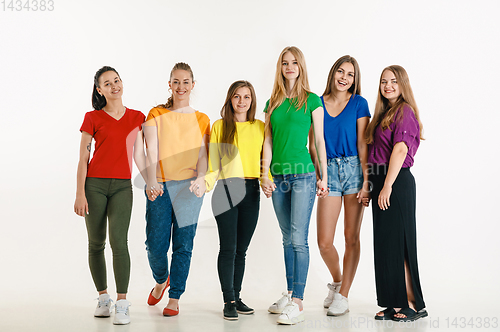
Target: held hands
[153, 190]
[364, 195]
[267, 186]
[322, 188]
[198, 186]
[383, 197]
[81, 206]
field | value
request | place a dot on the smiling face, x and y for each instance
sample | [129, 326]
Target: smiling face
[344, 77]
[110, 85]
[389, 87]
[181, 84]
[241, 102]
[290, 67]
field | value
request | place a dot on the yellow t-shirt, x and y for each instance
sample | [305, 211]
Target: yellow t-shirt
[244, 162]
[180, 137]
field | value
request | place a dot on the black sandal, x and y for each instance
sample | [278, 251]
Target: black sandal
[411, 315]
[388, 314]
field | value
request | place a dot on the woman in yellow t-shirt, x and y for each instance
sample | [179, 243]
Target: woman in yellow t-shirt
[177, 139]
[234, 159]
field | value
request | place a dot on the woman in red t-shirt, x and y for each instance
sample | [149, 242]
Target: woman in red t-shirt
[104, 189]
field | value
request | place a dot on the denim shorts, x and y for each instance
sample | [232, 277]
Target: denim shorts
[345, 176]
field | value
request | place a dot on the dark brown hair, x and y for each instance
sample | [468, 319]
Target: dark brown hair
[98, 101]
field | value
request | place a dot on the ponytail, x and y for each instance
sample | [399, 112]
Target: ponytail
[99, 101]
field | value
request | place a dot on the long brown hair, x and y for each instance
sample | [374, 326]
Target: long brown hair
[300, 90]
[177, 66]
[384, 111]
[355, 88]
[227, 114]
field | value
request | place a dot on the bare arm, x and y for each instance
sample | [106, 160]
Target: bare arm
[319, 140]
[398, 156]
[314, 153]
[214, 160]
[361, 124]
[81, 207]
[198, 187]
[267, 185]
[153, 188]
[139, 156]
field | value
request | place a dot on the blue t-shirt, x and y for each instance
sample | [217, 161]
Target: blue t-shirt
[340, 131]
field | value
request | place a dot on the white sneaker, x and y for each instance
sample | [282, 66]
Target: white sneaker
[122, 316]
[291, 314]
[278, 306]
[103, 306]
[339, 307]
[332, 289]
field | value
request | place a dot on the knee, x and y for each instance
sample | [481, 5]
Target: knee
[183, 248]
[96, 247]
[325, 246]
[352, 240]
[300, 246]
[118, 245]
[227, 252]
[241, 254]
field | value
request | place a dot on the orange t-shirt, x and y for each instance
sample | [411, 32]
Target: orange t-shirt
[180, 137]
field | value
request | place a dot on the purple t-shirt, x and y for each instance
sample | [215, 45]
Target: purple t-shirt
[405, 130]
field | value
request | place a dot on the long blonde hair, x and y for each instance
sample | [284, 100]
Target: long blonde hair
[177, 66]
[384, 112]
[300, 90]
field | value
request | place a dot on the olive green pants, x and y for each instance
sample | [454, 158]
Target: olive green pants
[110, 202]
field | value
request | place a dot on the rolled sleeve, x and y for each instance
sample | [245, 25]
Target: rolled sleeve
[407, 130]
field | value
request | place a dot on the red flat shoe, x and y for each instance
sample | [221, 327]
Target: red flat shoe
[170, 312]
[153, 300]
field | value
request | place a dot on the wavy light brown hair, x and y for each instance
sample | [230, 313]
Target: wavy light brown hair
[356, 85]
[300, 90]
[227, 114]
[177, 66]
[384, 112]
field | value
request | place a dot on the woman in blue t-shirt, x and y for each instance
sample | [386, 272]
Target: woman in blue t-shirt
[345, 121]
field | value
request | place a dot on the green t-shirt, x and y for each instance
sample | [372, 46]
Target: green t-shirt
[290, 136]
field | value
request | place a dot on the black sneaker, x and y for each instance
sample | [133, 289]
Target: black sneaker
[242, 308]
[230, 311]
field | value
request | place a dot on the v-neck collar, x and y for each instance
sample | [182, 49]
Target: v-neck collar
[112, 117]
[335, 117]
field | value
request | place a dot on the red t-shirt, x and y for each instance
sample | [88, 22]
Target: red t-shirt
[114, 143]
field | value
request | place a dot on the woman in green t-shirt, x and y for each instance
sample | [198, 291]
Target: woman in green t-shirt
[290, 112]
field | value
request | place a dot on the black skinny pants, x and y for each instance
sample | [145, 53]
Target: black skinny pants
[235, 204]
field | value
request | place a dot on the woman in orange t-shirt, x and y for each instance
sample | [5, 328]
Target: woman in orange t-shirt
[177, 140]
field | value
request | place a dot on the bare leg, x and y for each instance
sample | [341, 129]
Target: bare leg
[327, 216]
[299, 302]
[103, 292]
[121, 296]
[409, 291]
[352, 226]
[173, 304]
[158, 289]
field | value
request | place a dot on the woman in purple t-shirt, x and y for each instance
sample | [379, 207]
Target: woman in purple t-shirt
[393, 138]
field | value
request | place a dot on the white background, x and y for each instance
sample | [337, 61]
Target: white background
[47, 64]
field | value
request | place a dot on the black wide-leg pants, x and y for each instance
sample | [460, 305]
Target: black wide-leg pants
[395, 239]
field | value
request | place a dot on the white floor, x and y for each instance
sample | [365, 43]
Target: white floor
[46, 285]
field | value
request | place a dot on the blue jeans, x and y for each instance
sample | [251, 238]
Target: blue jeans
[174, 214]
[293, 201]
